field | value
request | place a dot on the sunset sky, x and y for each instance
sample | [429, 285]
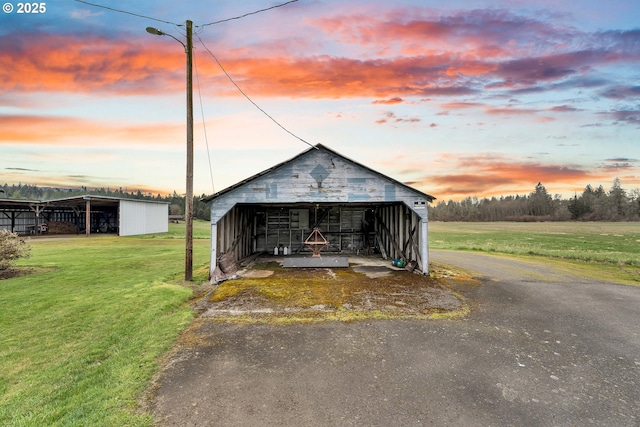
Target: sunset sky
[456, 98]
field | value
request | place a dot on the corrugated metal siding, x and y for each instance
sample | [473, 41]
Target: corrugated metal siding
[143, 218]
[21, 221]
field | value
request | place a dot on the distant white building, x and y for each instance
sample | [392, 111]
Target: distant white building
[85, 214]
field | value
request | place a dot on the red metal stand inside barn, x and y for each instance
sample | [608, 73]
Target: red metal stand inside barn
[316, 242]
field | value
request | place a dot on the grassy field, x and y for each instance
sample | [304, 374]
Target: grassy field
[81, 338]
[609, 242]
[598, 249]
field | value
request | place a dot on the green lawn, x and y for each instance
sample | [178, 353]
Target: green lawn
[610, 242]
[80, 341]
[597, 249]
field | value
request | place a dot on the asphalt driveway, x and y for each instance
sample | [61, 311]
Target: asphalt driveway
[539, 348]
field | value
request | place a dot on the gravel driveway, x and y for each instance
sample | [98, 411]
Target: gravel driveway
[539, 348]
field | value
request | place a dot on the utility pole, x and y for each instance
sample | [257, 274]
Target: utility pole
[188, 206]
[188, 203]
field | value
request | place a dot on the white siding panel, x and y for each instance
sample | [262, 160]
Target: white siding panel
[137, 217]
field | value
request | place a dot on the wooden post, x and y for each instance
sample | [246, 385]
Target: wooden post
[87, 216]
[188, 206]
[391, 239]
[213, 260]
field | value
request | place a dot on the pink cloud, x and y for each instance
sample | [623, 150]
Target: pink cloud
[390, 117]
[466, 62]
[459, 105]
[390, 101]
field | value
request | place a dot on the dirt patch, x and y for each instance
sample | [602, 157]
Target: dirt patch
[267, 292]
[9, 273]
[17, 272]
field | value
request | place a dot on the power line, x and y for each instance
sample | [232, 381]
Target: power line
[214, 57]
[249, 99]
[204, 124]
[173, 23]
[125, 12]
[250, 13]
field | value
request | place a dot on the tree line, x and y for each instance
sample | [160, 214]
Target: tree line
[33, 192]
[597, 204]
[594, 204]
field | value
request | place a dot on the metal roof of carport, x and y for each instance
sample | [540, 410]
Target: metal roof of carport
[71, 202]
[66, 202]
[10, 204]
[97, 201]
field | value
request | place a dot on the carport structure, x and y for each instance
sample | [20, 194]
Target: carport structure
[88, 213]
[357, 210]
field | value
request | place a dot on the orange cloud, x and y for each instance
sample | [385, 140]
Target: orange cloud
[339, 77]
[418, 53]
[484, 177]
[74, 131]
[455, 177]
[523, 171]
[65, 63]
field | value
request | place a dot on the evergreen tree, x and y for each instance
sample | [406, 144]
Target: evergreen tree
[540, 202]
[617, 201]
[578, 208]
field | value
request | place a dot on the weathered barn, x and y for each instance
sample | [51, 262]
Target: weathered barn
[126, 217]
[357, 210]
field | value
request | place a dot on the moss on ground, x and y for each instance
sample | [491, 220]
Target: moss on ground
[303, 295]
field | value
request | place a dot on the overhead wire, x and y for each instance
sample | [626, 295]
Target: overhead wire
[249, 14]
[204, 124]
[249, 99]
[127, 12]
[199, 29]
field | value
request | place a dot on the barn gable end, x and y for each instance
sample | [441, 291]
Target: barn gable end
[357, 207]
